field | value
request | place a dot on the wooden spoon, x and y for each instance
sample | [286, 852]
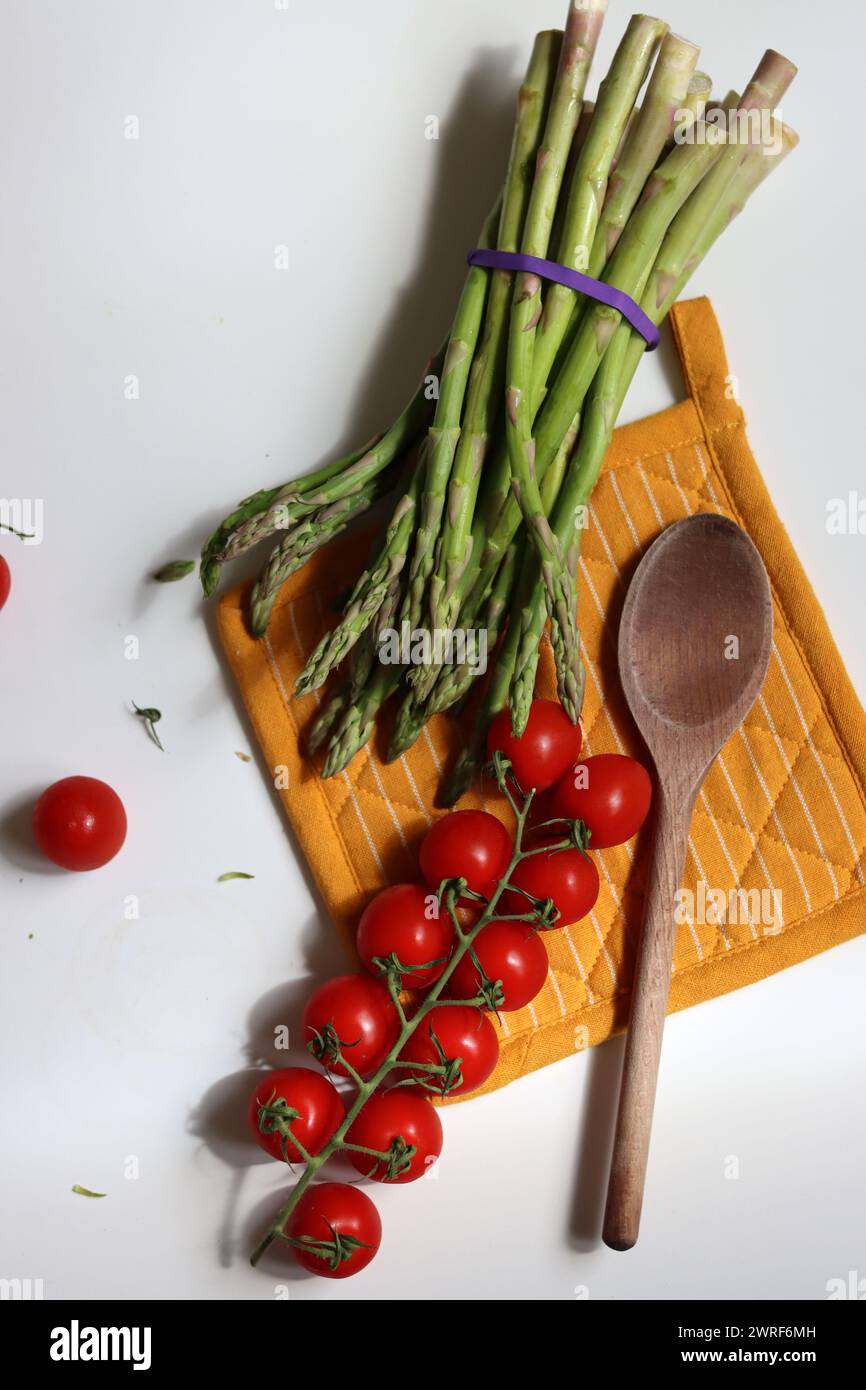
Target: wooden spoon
[694, 644]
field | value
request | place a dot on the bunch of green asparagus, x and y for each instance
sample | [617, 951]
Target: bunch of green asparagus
[489, 468]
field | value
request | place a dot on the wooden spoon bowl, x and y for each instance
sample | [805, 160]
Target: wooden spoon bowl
[694, 646]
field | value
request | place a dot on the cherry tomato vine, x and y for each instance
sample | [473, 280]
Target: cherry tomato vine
[324, 1230]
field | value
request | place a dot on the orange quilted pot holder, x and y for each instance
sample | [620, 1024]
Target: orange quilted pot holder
[783, 810]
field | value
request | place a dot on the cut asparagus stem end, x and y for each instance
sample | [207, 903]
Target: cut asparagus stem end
[701, 85]
[770, 81]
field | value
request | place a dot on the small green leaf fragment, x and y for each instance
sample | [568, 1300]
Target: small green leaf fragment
[150, 717]
[224, 878]
[174, 570]
[22, 535]
[86, 1192]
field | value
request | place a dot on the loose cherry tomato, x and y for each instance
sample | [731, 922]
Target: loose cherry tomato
[335, 1230]
[464, 1032]
[79, 823]
[390, 1115]
[295, 1102]
[5, 581]
[545, 748]
[361, 1013]
[407, 922]
[466, 844]
[565, 875]
[511, 952]
[610, 793]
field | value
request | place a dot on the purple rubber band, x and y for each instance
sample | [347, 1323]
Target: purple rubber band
[575, 280]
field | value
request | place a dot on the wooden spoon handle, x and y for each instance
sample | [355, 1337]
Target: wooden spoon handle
[644, 1039]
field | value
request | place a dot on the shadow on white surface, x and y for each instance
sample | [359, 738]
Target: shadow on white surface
[16, 835]
[595, 1144]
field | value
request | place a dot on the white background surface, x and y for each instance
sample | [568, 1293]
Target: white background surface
[155, 257]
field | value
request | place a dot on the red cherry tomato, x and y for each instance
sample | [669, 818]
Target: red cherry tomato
[5, 581]
[466, 844]
[545, 748]
[565, 875]
[406, 921]
[317, 1105]
[361, 1013]
[511, 952]
[464, 1032]
[389, 1115]
[610, 793]
[335, 1230]
[79, 823]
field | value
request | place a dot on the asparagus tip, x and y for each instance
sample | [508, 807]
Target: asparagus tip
[260, 612]
[209, 574]
[411, 717]
[353, 735]
[459, 779]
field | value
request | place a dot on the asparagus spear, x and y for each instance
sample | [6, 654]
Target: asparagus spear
[470, 760]
[214, 549]
[489, 365]
[647, 137]
[498, 604]
[582, 33]
[455, 681]
[328, 716]
[680, 173]
[444, 433]
[362, 659]
[369, 592]
[740, 159]
[529, 616]
[355, 728]
[296, 547]
[666, 192]
[347, 719]
[697, 98]
[287, 505]
[273, 509]
[496, 484]
[616, 98]
[703, 220]
[365, 654]
[691, 235]
[412, 714]
[584, 122]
